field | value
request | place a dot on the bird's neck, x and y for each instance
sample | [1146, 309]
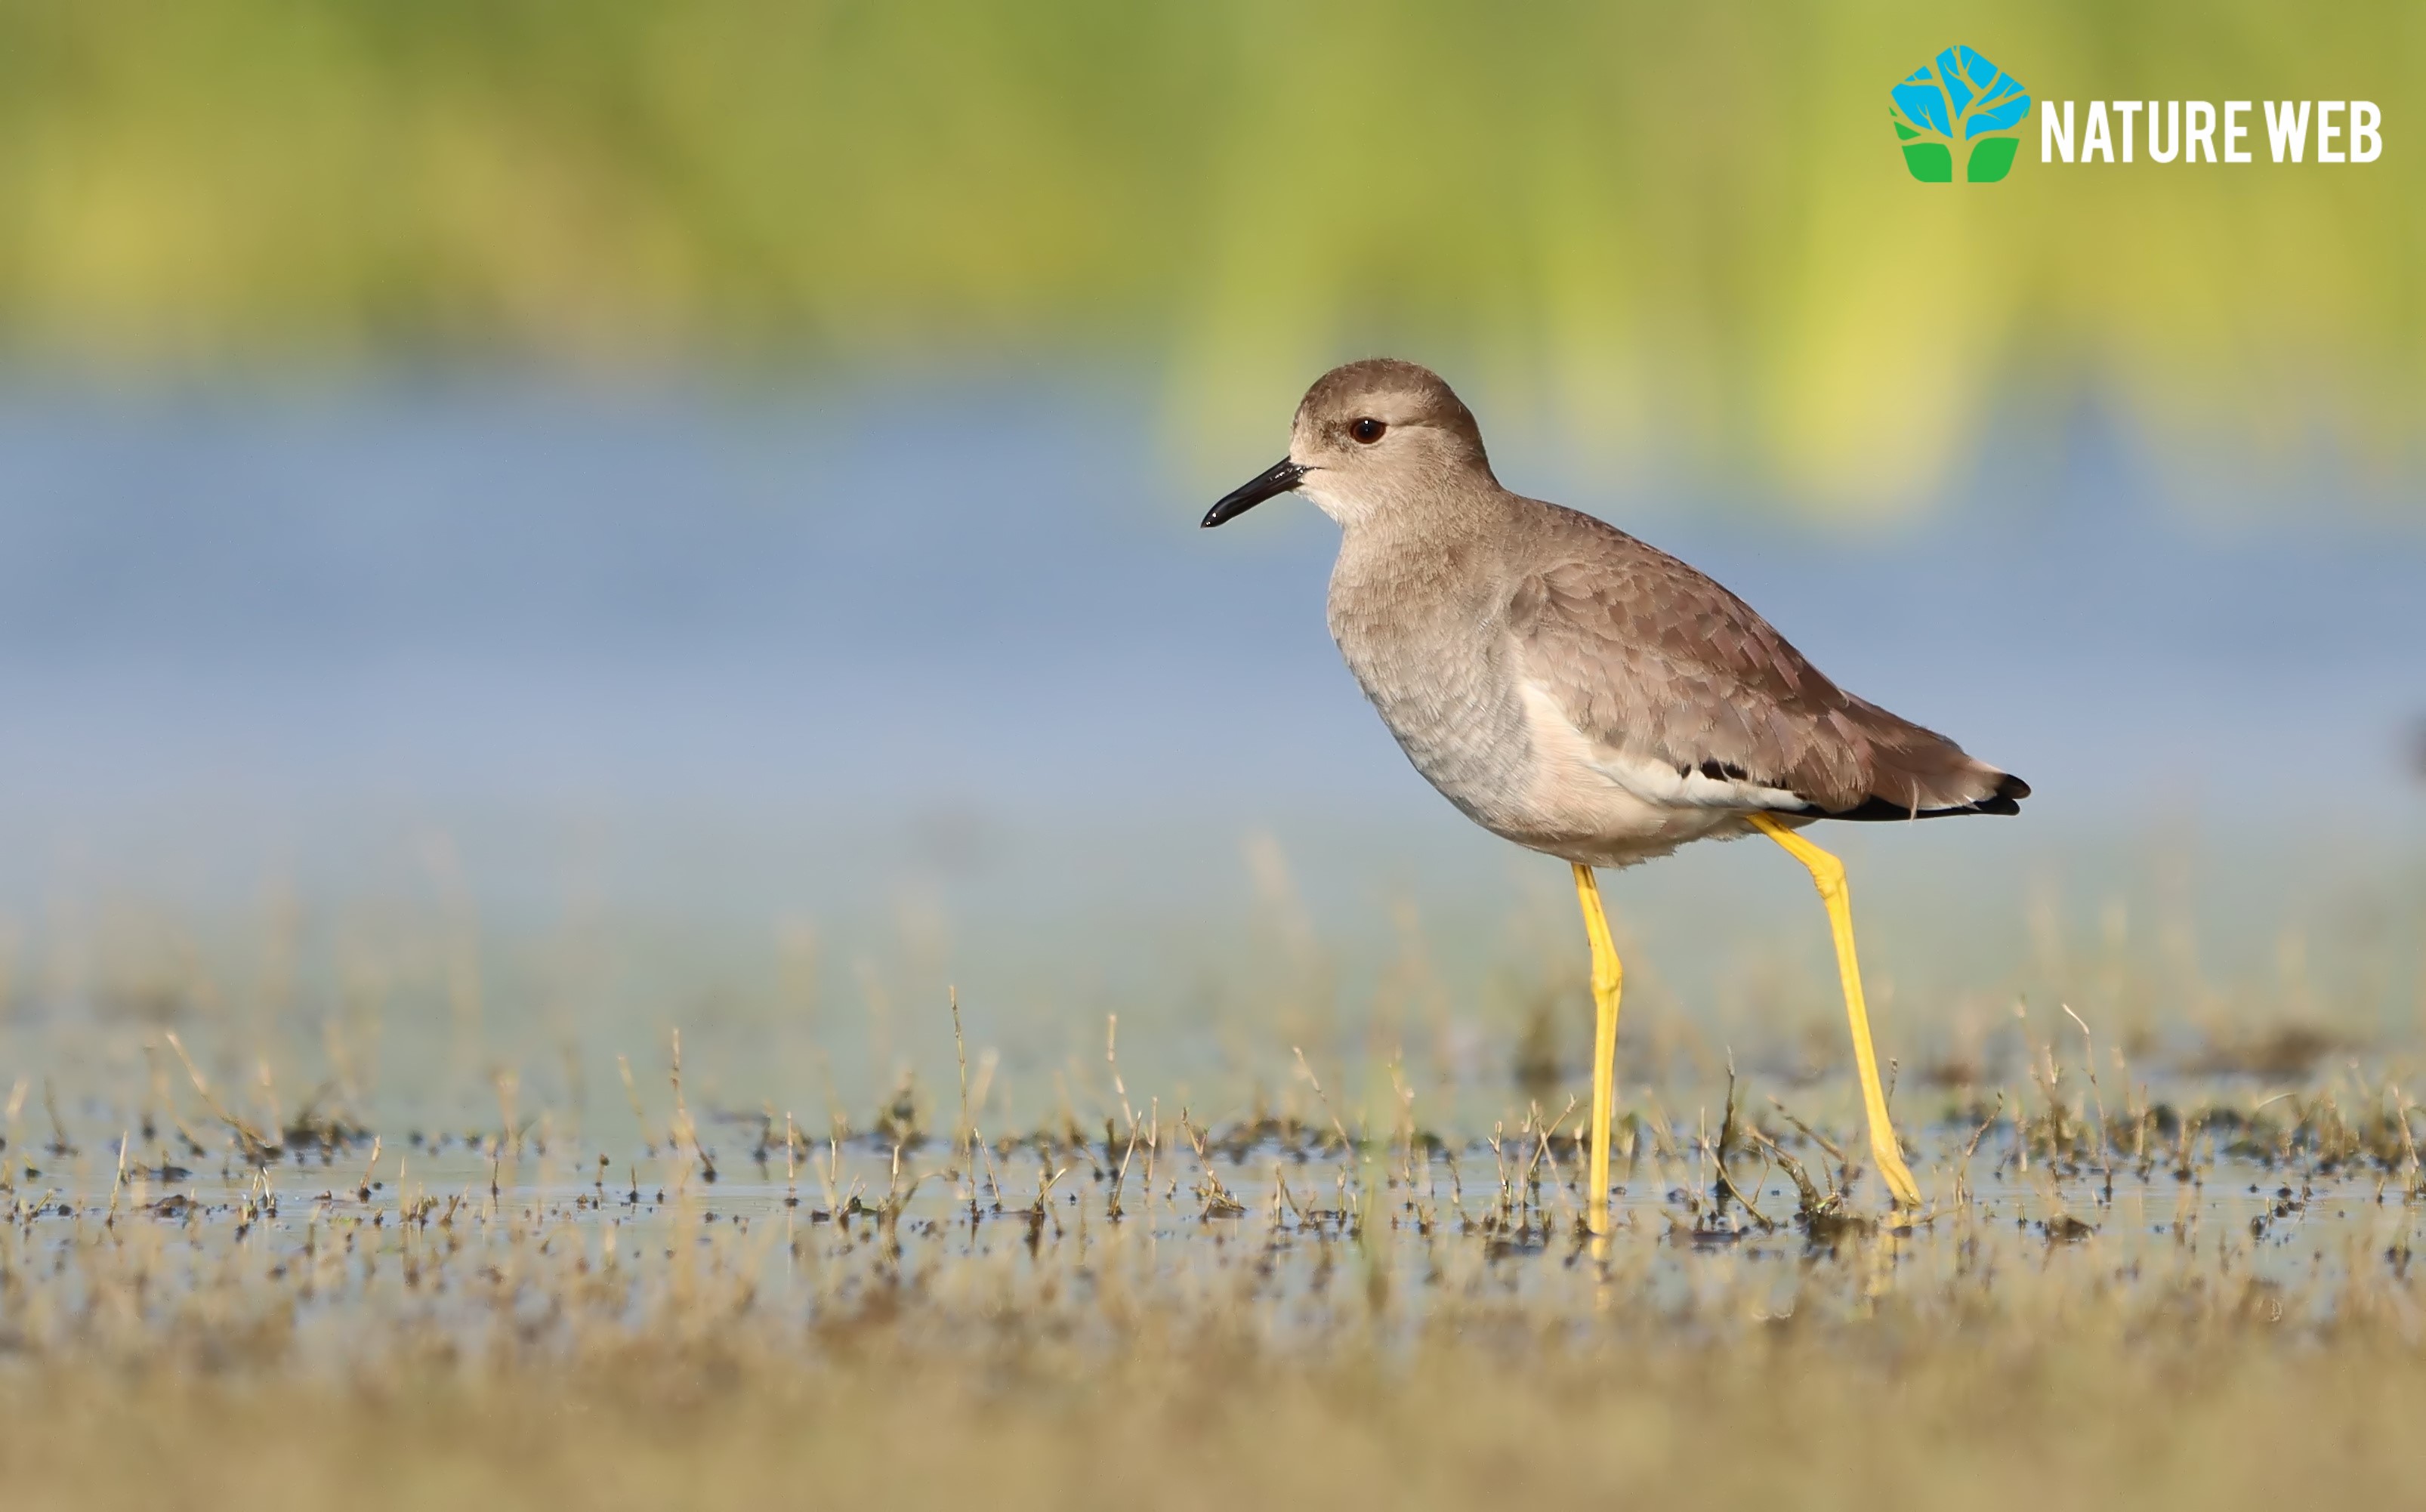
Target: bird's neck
[1398, 566]
[1418, 521]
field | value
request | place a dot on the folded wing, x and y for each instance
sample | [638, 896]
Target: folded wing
[1691, 698]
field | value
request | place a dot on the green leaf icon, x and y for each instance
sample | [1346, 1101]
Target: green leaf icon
[1991, 160]
[1930, 162]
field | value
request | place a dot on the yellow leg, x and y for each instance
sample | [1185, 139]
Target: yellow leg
[1608, 982]
[1828, 874]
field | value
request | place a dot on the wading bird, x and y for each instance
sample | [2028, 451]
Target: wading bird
[1588, 696]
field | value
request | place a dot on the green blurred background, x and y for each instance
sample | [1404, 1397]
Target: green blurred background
[1678, 229]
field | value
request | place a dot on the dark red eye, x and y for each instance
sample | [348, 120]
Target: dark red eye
[1368, 431]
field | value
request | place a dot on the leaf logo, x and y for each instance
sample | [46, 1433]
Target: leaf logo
[1964, 106]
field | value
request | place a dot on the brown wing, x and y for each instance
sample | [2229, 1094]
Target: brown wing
[1652, 659]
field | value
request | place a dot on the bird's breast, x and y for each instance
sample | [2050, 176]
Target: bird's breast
[1435, 663]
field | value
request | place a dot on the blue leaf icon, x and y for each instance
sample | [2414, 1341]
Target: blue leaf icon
[1994, 101]
[1923, 102]
[1958, 99]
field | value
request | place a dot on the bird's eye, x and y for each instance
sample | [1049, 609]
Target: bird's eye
[1368, 431]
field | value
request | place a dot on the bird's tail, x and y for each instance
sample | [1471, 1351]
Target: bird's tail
[1919, 774]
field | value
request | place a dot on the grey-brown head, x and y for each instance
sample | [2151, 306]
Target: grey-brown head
[1369, 435]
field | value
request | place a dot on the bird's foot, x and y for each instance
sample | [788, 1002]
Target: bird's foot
[1901, 1187]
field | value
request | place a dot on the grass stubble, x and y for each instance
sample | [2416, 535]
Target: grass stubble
[2207, 1300]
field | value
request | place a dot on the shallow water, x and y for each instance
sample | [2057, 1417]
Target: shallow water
[470, 1243]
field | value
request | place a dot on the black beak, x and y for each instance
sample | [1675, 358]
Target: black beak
[1278, 478]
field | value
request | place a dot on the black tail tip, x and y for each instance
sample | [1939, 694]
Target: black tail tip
[2010, 791]
[2007, 799]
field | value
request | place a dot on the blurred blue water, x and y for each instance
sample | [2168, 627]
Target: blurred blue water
[995, 595]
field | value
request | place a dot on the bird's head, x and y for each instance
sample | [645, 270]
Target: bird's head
[1371, 438]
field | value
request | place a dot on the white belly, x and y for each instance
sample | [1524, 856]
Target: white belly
[1586, 803]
